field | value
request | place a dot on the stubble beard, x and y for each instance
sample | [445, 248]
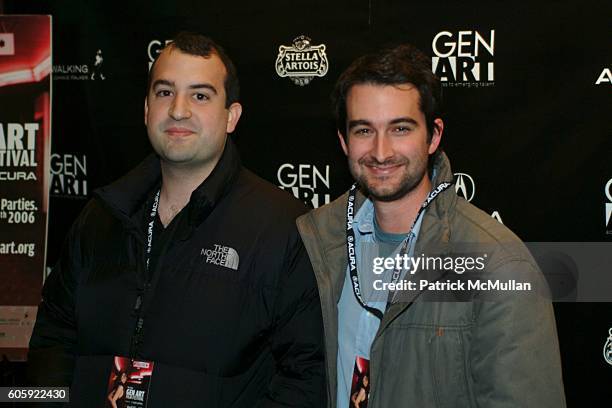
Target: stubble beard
[174, 152]
[408, 180]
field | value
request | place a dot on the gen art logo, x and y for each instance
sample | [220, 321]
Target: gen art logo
[69, 175]
[307, 182]
[464, 59]
[302, 61]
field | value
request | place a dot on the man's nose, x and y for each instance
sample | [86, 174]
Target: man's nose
[382, 149]
[179, 109]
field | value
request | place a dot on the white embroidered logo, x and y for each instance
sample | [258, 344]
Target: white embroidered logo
[222, 255]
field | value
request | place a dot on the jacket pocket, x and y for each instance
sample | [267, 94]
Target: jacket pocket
[450, 366]
[422, 365]
[174, 386]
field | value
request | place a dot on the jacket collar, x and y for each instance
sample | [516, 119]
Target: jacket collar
[126, 196]
[435, 227]
[216, 186]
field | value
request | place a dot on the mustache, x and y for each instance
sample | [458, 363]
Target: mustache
[391, 161]
[184, 124]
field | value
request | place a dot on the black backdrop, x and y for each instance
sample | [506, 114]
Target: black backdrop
[530, 135]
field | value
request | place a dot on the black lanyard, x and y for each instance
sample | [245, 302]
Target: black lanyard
[150, 228]
[137, 337]
[350, 241]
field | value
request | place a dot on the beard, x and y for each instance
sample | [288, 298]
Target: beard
[389, 188]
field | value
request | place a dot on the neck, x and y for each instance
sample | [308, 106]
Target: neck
[397, 217]
[177, 186]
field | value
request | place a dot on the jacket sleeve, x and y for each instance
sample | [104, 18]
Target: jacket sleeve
[53, 341]
[515, 357]
[297, 343]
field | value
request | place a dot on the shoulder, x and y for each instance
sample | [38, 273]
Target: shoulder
[94, 215]
[333, 214]
[325, 224]
[94, 227]
[265, 200]
[472, 222]
[471, 225]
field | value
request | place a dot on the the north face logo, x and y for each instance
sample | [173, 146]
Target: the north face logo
[222, 255]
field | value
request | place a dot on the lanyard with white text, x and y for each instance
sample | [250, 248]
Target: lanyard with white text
[137, 337]
[350, 240]
[150, 226]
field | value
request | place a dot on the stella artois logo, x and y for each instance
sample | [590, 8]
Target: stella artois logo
[301, 61]
[607, 350]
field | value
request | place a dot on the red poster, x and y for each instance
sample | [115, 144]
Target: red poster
[128, 384]
[360, 386]
[25, 124]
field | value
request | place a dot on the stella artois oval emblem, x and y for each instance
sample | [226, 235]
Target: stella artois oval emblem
[607, 350]
[302, 61]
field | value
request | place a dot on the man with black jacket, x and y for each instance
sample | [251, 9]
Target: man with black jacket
[189, 264]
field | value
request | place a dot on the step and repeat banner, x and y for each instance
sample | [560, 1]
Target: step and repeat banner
[25, 115]
[526, 95]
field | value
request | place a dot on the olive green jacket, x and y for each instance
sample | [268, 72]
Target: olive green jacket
[490, 351]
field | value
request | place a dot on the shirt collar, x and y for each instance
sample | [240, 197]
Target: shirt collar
[364, 220]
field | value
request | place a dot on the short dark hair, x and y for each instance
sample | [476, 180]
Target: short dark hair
[200, 45]
[397, 65]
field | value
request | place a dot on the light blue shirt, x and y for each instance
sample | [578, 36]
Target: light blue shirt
[356, 326]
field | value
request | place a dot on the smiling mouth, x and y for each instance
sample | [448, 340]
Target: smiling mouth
[383, 170]
[178, 132]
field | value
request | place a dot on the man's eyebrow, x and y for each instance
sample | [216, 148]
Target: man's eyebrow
[162, 82]
[403, 120]
[165, 82]
[204, 86]
[358, 122]
[363, 122]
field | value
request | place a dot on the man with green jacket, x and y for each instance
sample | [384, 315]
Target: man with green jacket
[396, 336]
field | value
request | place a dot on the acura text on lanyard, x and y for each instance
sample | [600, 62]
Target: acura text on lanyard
[350, 239]
[150, 226]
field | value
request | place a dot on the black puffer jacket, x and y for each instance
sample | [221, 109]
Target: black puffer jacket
[230, 308]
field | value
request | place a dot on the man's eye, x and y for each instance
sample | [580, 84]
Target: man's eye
[163, 92]
[362, 131]
[402, 129]
[201, 97]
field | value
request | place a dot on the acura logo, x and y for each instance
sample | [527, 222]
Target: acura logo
[608, 192]
[464, 186]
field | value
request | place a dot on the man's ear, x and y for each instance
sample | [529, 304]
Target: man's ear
[234, 112]
[343, 143]
[436, 136]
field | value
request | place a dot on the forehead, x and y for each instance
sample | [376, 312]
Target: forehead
[380, 102]
[184, 69]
